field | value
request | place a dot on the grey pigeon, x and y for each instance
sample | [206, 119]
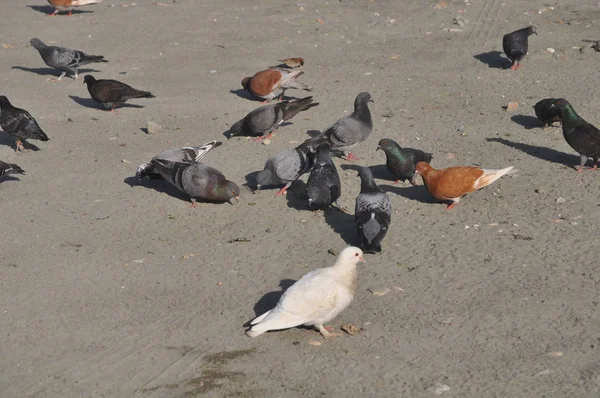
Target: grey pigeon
[286, 167]
[324, 187]
[351, 130]
[197, 180]
[111, 93]
[19, 123]
[516, 45]
[10, 168]
[188, 154]
[372, 214]
[64, 59]
[263, 121]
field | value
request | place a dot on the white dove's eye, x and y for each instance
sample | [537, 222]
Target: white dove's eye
[356, 254]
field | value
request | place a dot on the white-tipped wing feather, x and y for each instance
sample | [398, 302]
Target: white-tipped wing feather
[489, 176]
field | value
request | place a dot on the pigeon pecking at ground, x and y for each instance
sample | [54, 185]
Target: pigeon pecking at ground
[324, 187]
[449, 185]
[516, 45]
[10, 168]
[273, 82]
[315, 299]
[197, 180]
[64, 5]
[372, 214]
[546, 112]
[64, 59]
[349, 131]
[188, 154]
[579, 134]
[19, 123]
[111, 93]
[262, 121]
[401, 162]
[286, 167]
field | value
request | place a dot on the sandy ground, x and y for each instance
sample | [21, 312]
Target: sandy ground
[110, 288]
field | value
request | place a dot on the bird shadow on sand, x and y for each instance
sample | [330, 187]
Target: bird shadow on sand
[270, 300]
[50, 71]
[529, 122]
[493, 59]
[158, 185]
[246, 95]
[342, 224]
[90, 103]
[296, 196]
[418, 193]
[9, 141]
[381, 172]
[50, 10]
[540, 152]
[8, 178]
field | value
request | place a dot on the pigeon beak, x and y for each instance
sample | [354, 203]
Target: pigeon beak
[378, 148]
[361, 259]
[371, 100]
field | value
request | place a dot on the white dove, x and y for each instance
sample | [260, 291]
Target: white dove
[316, 298]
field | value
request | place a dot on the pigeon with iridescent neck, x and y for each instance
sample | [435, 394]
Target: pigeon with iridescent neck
[401, 162]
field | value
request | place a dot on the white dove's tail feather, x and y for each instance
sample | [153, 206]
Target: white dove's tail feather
[276, 321]
[85, 2]
[489, 176]
[260, 318]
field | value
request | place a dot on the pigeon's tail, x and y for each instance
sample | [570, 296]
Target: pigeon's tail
[8, 168]
[93, 58]
[290, 81]
[276, 321]
[489, 176]
[78, 3]
[140, 94]
[202, 150]
[293, 108]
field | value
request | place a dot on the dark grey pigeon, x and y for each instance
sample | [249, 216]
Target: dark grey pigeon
[401, 162]
[19, 123]
[64, 59]
[111, 93]
[262, 121]
[188, 154]
[10, 168]
[546, 112]
[323, 187]
[516, 45]
[286, 167]
[197, 180]
[582, 136]
[351, 130]
[372, 214]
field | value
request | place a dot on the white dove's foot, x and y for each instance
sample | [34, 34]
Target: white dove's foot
[327, 333]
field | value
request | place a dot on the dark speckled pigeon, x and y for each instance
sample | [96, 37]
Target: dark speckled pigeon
[64, 59]
[188, 154]
[324, 187]
[351, 130]
[197, 180]
[546, 113]
[372, 214]
[401, 162]
[10, 168]
[19, 123]
[286, 167]
[516, 45]
[579, 134]
[262, 121]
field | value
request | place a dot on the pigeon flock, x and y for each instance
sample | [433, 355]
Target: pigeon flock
[322, 294]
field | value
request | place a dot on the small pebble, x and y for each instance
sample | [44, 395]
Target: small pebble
[314, 342]
[551, 50]
[561, 200]
[266, 141]
[379, 291]
[153, 127]
[512, 106]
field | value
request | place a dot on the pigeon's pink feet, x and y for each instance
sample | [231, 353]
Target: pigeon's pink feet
[515, 66]
[351, 156]
[330, 329]
[451, 206]
[282, 192]
[193, 203]
[396, 182]
[20, 146]
[70, 13]
[580, 169]
[53, 14]
[264, 137]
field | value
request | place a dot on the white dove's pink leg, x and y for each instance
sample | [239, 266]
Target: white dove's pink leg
[326, 333]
